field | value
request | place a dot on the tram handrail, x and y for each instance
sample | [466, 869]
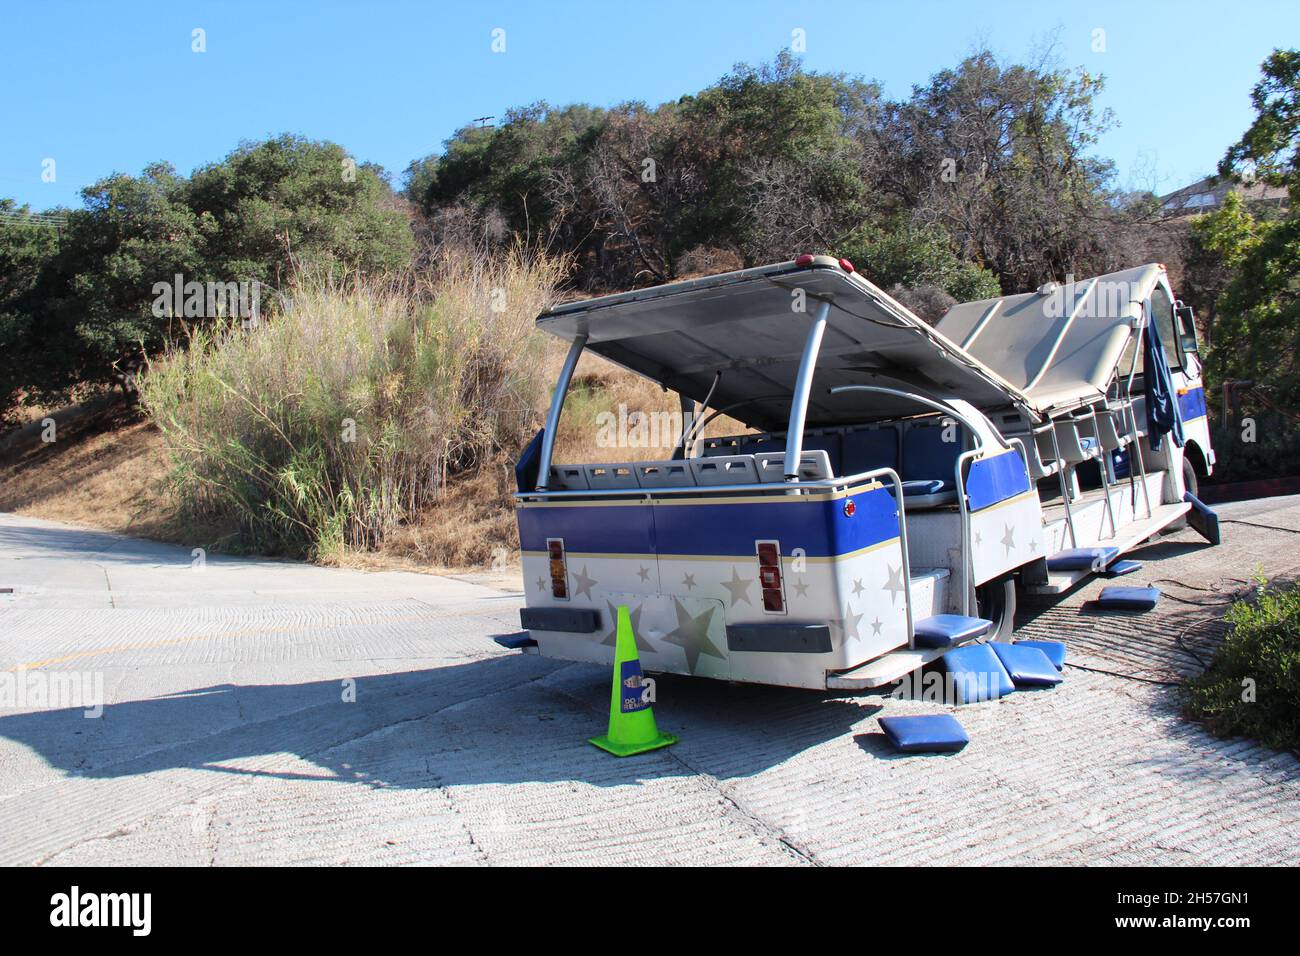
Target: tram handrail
[773, 489]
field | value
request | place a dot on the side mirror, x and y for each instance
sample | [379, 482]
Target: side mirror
[1185, 322]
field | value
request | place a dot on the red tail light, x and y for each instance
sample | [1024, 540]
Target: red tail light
[803, 261]
[559, 569]
[770, 577]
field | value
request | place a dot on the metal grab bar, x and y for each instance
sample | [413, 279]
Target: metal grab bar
[964, 509]
[802, 390]
[769, 489]
[1108, 513]
[557, 405]
[1065, 491]
[966, 563]
[921, 399]
[776, 491]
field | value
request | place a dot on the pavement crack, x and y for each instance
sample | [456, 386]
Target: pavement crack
[775, 832]
[109, 584]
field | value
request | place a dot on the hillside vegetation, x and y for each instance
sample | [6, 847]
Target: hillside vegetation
[389, 372]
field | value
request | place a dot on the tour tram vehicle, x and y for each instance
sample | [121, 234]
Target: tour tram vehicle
[897, 483]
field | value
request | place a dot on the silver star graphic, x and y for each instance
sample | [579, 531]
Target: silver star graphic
[847, 626]
[895, 583]
[739, 588]
[584, 583]
[692, 634]
[1009, 538]
[610, 637]
[688, 581]
[875, 626]
[979, 538]
[644, 574]
[857, 586]
[1033, 545]
[801, 588]
[541, 584]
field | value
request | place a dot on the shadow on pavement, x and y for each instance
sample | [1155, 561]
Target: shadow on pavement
[508, 719]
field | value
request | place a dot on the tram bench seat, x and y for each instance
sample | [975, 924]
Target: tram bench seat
[768, 468]
[917, 450]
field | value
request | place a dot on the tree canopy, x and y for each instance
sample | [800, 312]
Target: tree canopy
[1257, 332]
[989, 165]
[76, 304]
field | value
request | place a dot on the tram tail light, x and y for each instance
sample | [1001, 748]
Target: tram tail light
[769, 575]
[559, 569]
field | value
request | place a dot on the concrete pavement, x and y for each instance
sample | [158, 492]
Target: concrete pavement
[274, 712]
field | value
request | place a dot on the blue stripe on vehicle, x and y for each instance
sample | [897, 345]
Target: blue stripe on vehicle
[819, 526]
[1191, 404]
[995, 479]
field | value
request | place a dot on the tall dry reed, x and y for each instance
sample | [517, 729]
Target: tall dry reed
[345, 411]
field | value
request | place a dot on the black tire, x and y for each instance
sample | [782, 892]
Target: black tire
[1190, 483]
[996, 601]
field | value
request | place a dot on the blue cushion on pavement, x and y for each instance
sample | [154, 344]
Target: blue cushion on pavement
[1028, 666]
[931, 733]
[1122, 567]
[1129, 599]
[977, 674]
[1054, 650]
[1082, 559]
[948, 630]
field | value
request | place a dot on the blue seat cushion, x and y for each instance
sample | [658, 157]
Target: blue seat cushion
[1087, 442]
[931, 733]
[1082, 559]
[924, 486]
[1129, 599]
[977, 674]
[1028, 666]
[949, 630]
[1124, 566]
[1054, 650]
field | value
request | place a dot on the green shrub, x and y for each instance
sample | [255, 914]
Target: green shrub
[914, 256]
[1274, 451]
[1252, 687]
[343, 413]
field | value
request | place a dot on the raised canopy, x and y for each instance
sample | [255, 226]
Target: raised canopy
[1059, 346]
[748, 326]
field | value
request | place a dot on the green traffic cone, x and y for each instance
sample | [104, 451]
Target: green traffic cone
[632, 727]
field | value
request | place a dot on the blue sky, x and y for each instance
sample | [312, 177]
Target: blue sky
[102, 87]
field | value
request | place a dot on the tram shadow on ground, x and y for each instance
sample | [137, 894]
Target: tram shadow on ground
[507, 719]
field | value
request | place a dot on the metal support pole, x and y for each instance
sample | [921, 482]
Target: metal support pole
[1102, 464]
[557, 404]
[1132, 413]
[963, 507]
[689, 411]
[802, 389]
[1065, 491]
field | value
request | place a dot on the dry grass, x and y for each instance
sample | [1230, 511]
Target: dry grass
[104, 469]
[343, 417]
[108, 470]
[113, 469]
